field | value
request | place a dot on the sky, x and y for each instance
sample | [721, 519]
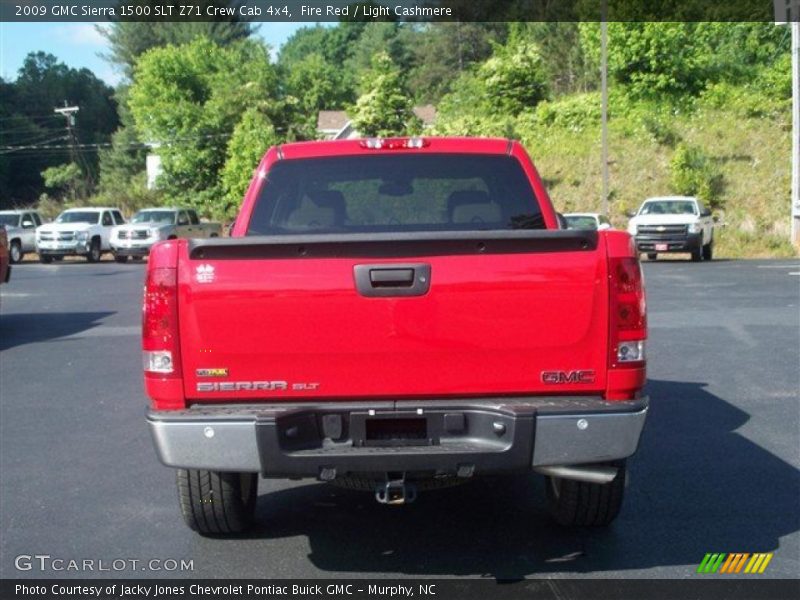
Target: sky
[80, 45]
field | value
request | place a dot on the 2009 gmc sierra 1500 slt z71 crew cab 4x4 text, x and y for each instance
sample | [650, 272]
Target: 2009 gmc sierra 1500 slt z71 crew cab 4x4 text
[393, 315]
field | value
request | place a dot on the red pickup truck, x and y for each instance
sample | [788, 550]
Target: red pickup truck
[395, 315]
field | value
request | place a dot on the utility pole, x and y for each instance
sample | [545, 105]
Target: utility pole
[604, 109]
[795, 25]
[69, 113]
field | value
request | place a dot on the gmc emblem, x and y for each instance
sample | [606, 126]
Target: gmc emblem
[562, 377]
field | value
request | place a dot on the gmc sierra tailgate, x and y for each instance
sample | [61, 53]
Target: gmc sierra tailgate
[348, 316]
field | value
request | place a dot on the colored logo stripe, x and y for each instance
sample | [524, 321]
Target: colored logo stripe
[734, 563]
[715, 562]
[758, 563]
[711, 563]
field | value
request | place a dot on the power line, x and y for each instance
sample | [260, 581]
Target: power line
[99, 145]
[29, 117]
[43, 137]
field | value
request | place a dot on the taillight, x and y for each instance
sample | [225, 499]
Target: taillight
[160, 324]
[628, 317]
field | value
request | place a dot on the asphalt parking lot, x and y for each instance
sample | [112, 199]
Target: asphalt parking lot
[717, 471]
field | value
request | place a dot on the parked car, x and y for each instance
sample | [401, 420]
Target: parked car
[587, 221]
[21, 231]
[673, 224]
[78, 231]
[393, 315]
[150, 225]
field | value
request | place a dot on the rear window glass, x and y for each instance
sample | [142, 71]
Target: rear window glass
[395, 193]
[581, 222]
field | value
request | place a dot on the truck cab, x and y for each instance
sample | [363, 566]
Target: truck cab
[672, 224]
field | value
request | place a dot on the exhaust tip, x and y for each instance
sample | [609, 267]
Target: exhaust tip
[586, 473]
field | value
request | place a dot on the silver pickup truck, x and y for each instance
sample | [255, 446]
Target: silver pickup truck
[151, 225]
[21, 230]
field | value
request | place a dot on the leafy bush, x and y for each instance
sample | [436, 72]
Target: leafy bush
[48, 207]
[514, 77]
[66, 179]
[745, 100]
[574, 113]
[659, 128]
[693, 173]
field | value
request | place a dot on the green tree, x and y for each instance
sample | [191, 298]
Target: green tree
[26, 106]
[128, 40]
[486, 100]
[313, 84]
[385, 107]
[563, 58]
[444, 51]
[514, 77]
[653, 60]
[66, 178]
[188, 99]
[250, 140]
[124, 161]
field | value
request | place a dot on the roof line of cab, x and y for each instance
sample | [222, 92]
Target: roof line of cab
[357, 146]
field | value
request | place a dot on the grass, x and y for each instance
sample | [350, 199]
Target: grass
[752, 153]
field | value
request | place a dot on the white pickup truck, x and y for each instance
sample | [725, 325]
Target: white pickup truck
[151, 225]
[673, 224]
[78, 231]
[21, 230]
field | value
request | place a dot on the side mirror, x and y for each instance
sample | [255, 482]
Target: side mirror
[705, 213]
[27, 224]
[630, 213]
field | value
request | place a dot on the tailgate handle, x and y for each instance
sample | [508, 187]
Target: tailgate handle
[392, 279]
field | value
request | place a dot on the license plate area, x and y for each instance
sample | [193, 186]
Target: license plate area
[662, 247]
[390, 430]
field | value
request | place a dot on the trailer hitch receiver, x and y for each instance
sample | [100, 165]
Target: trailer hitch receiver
[396, 492]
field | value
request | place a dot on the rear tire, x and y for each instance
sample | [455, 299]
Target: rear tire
[45, 260]
[95, 253]
[708, 251]
[121, 259]
[576, 503]
[652, 255]
[216, 502]
[15, 253]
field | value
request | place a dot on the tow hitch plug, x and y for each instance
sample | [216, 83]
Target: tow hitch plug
[396, 492]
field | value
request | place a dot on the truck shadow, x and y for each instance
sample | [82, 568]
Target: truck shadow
[696, 486]
[18, 329]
